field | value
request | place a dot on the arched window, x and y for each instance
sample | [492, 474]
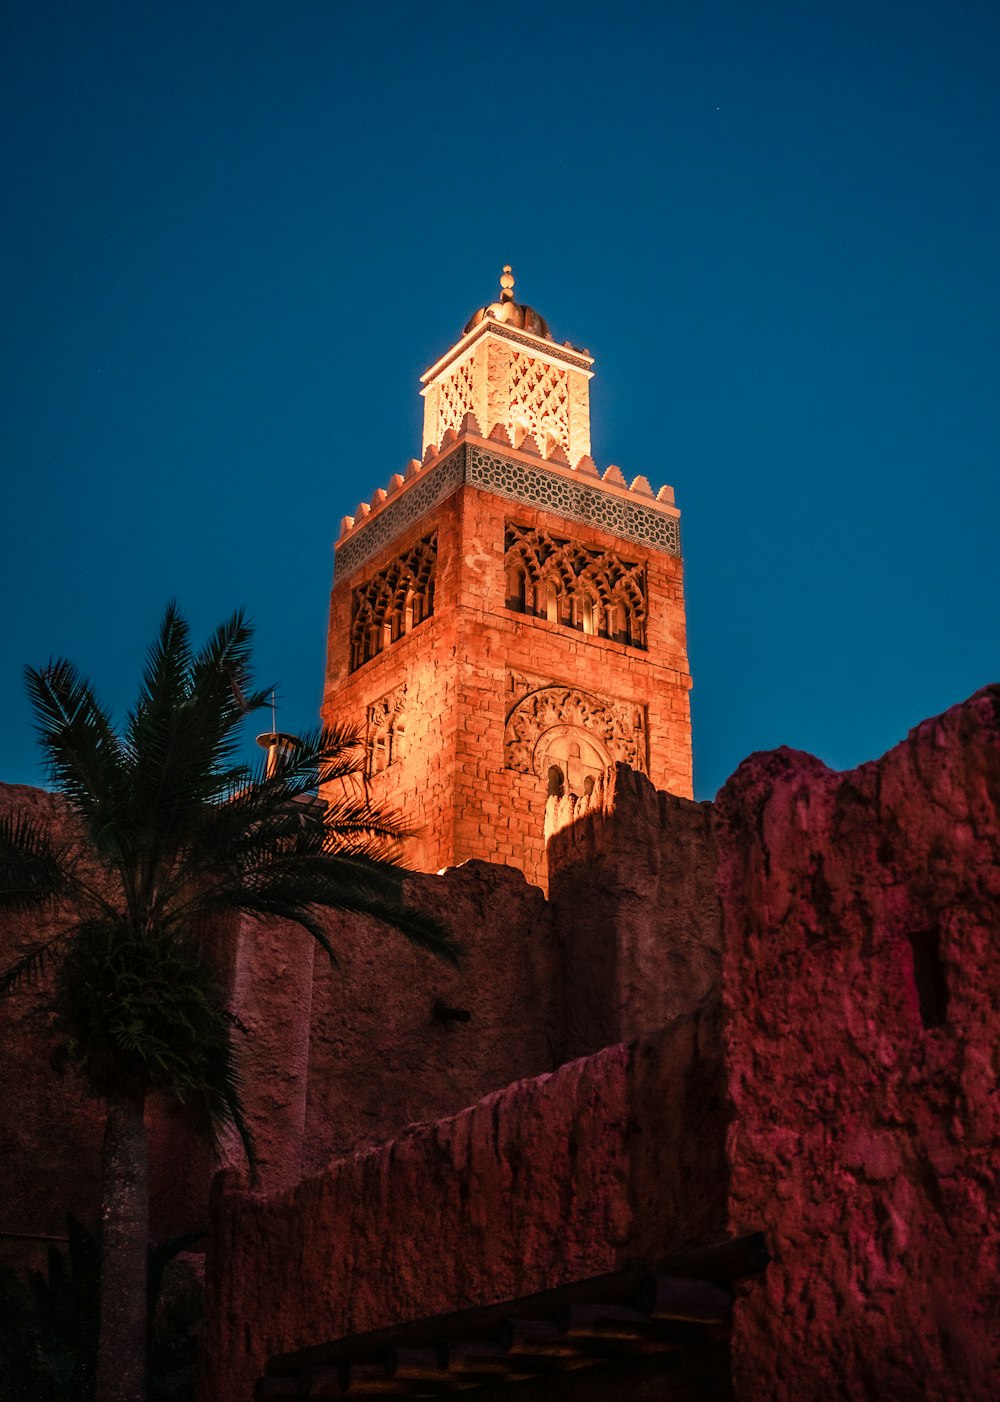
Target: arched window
[393, 602]
[517, 587]
[557, 782]
[574, 754]
[565, 582]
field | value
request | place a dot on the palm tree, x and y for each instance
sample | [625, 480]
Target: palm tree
[170, 831]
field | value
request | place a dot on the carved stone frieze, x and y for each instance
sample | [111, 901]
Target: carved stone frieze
[616, 729]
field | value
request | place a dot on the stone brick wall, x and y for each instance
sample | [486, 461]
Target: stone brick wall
[609, 1160]
[862, 1000]
[462, 667]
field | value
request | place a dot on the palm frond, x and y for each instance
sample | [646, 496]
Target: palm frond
[82, 751]
[299, 892]
[222, 691]
[33, 871]
[30, 967]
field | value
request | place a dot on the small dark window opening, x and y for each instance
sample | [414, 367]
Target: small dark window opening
[556, 781]
[929, 976]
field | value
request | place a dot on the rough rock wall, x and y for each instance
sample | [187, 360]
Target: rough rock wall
[611, 1159]
[862, 993]
[632, 876]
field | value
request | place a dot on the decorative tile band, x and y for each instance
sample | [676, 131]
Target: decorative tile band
[369, 538]
[576, 501]
[515, 481]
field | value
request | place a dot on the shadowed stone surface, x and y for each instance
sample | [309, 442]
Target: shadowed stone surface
[638, 927]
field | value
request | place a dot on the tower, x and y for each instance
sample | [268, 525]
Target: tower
[505, 621]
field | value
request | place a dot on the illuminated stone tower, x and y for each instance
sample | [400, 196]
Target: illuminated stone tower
[506, 621]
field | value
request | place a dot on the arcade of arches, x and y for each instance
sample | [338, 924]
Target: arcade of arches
[594, 591]
[394, 602]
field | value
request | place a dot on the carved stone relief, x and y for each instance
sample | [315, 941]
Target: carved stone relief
[385, 739]
[554, 725]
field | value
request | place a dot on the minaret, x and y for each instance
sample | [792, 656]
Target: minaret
[506, 621]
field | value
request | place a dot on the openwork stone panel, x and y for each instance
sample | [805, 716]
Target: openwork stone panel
[544, 726]
[457, 396]
[490, 471]
[539, 400]
[385, 738]
[594, 591]
[394, 602]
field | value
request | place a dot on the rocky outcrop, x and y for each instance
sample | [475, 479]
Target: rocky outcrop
[862, 998]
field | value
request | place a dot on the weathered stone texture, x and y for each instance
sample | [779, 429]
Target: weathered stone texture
[549, 1180]
[379, 1058]
[862, 993]
[632, 876]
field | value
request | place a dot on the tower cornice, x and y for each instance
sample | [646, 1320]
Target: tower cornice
[540, 347]
[492, 465]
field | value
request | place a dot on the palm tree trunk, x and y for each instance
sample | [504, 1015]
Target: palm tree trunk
[121, 1358]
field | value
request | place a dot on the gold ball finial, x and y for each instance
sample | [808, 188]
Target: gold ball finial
[506, 284]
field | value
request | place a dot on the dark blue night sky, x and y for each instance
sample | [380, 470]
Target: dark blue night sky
[235, 234]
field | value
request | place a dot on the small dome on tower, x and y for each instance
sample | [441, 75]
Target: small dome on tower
[513, 313]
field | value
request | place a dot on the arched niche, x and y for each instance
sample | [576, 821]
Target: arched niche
[577, 754]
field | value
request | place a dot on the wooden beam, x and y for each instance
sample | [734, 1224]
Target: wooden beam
[484, 1361]
[734, 1259]
[541, 1339]
[681, 1298]
[614, 1323]
[425, 1365]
